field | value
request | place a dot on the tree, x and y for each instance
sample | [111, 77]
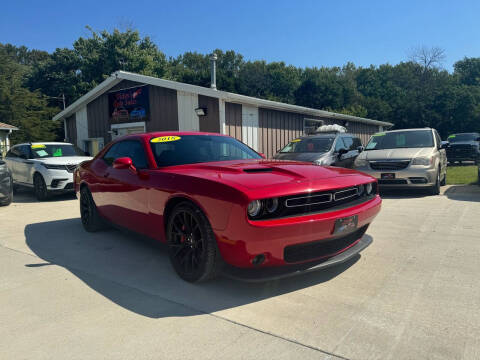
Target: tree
[468, 71]
[428, 58]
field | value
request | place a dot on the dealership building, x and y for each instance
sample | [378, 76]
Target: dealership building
[127, 103]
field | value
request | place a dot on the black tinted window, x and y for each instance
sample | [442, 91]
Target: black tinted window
[191, 149]
[356, 143]
[24, 151]
[400, 140]
[128, 148]
[320, 144]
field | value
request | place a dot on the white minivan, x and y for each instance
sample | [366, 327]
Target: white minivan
[47, 167]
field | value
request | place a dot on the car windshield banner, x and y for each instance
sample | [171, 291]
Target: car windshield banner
[128, 105]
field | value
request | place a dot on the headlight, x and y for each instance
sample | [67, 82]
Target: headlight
[369, 188]
[254, 208]
[360, 162]
[422, 161]
[322, 161]
[54, 167]
[271, 205]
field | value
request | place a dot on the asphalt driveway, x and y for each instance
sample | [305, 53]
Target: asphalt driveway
[413, 294]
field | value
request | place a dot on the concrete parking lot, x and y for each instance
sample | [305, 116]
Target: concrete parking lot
[413, 294]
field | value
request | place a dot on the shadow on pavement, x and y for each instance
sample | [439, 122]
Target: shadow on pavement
[403, 193]
[463, 193]
[136, 274]
[25, 195]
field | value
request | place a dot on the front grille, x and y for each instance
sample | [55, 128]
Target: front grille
[461, 149]
[322, 248]
[317, 202]
[389, 165]
[392, 181]
[71, 168]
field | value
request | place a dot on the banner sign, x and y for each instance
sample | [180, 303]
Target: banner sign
[128, 105]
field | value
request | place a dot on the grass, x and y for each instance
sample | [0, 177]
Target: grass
[458, 175]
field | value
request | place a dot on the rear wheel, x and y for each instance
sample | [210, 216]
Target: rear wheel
[191, 244]
[40, 188]
[91, 220]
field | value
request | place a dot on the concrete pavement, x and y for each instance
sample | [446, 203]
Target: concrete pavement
[413, 294]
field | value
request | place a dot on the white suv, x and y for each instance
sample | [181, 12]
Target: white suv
[47, 167]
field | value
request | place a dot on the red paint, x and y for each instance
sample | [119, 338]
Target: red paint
[136, 199]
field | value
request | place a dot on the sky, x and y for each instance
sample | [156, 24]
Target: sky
[303, 33]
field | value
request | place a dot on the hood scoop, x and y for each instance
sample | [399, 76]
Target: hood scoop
[258, 170]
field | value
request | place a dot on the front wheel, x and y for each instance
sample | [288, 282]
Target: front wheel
[91, 220]
[40, 188]
[192, 246]
[435, 189]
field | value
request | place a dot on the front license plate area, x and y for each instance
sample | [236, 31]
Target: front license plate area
[388, 176]
[345, 225]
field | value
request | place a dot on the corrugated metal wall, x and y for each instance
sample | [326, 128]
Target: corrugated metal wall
[163, 109]
[363, 131]
[71, 124]
[233, 120]
[276, 129]
[210, 122]
[99, 118]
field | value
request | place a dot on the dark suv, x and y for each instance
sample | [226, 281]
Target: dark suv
[464, 147]
[333, 149]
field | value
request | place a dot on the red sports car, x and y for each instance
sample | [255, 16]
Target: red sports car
[217, 203]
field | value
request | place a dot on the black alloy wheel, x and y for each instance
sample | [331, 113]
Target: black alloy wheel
[191, 244]
[91, 220]
[40, 188]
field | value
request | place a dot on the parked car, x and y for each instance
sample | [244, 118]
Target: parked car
[6, 184]
[138, 113]
[333, 149]
[464, 147]
[46, 167]
[406, 158]
[214, 200]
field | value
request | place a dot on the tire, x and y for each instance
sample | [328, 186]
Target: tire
[9, 199]
[191, 243]
[444, 180]
[40, 188]
[91, 220]
[435, 189]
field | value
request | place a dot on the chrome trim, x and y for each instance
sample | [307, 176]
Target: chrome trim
[309, 197]
[342, 191]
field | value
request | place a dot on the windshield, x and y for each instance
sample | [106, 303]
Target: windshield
[191, 149]
[309, 145]
[400, 140]
[462, 137]
[43, 151]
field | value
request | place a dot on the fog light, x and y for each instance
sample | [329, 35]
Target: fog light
[254, 208]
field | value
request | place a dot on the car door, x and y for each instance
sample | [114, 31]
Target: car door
[442, 153]
[124, 198]
[24, 165]
[341, 152]
[352, 151]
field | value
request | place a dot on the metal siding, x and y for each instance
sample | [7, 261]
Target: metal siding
[163, 109]
[98, 118]
[71, 129]
[211, 121]
[233, 120]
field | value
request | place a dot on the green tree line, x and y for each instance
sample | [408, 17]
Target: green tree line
[413, 93]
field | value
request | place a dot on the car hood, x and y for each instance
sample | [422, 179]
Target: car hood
[258, 174]
[64, 160]
[308, 157]
[394, 154]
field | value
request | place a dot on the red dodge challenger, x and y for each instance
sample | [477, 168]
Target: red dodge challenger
[218, 204]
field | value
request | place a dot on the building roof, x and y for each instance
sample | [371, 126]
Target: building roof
[4, 126]
[118, 76]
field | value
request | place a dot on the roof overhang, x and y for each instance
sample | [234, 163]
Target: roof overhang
[118, 76]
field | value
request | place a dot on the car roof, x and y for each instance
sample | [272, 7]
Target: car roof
[467, 133]
[45, 143]
[324, 135]
[149, 135]
[399, 130]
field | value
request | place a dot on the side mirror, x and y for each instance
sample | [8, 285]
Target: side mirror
[360, 149]
[262, 155]
[444, 145]
[122, 163]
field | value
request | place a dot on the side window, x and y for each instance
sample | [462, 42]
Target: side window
[24, 152]
[356, 143]
[11, 154]
[128, 148]
[339, 145]
[348, 143]
[110, 155]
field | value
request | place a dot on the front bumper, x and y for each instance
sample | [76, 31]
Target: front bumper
[59, 180]
[412, 176]
[242, 241]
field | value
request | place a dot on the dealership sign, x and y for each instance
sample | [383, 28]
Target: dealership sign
[128, 105]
